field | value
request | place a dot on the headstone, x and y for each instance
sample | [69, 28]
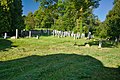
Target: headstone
[100, 44]
[82, 35]
[37, 37]
[78, 35]
[53, 32]
[5, 36]
[116, 41]
[16, 33]
[13, 37]
[30, 33]
[89, 35]
[74, 36]
[87, 45]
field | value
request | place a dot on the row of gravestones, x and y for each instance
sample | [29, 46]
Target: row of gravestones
[77, 35]
[31, 33]
[49, 32]
[54, 33]
[15, 37]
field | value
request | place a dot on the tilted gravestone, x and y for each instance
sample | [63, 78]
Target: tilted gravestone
[5, 36]
[89, 35]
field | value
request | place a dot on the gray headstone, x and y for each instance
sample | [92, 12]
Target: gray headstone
[82, 35]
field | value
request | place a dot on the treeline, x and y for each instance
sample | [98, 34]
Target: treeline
[110, 28]
[65, 15]
[11, 16]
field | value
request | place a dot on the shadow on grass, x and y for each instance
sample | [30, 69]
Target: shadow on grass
[4, 43]
[105, 44]
[57, 67]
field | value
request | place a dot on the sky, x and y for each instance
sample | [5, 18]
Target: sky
[101, 11]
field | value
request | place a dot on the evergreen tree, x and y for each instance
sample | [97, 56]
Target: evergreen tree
[111, 26]
[11, 16]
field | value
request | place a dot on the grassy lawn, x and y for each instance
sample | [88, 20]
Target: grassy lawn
[52, 58]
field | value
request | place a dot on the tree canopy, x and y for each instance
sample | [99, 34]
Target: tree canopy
[11, 15]
[111, 26]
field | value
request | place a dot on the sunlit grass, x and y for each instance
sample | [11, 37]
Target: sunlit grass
[15, 66]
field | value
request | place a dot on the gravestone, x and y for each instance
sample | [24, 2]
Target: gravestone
[78, 35]
[30, 33]
[37, 37]
[16, 34]
[89, 35]
[100, 44]
[82, 35]
[5, 36]
[116, 41]
[53, 32]
[74, 36]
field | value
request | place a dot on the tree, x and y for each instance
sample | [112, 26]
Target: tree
[64, 13]
[29, 21]
[111, 26]
[11, 16]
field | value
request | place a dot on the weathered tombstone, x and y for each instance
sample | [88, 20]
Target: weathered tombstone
[30, 33]
[16, 33]
[100, 44]
[89, 35]
[82, 35]
[92, 36]
[87, 45]
[61, 33]
[5, 36]
[116, 41]
[53, 32]
[78, 35]
[74, 36]
[37, 37]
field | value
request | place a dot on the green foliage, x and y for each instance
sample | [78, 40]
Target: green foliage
[11, 15]
[111, 26]
[29, 21]
[64, 13]
[52, 58]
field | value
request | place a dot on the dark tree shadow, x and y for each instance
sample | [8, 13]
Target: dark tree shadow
[105, 44]
[4, 43]
[57, 67]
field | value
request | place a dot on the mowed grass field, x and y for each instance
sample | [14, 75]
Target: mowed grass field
[52, 58]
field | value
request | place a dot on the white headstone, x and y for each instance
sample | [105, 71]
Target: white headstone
[37, 37]
[30, 33]
[5, 36]
[100, 44]
[16, 34]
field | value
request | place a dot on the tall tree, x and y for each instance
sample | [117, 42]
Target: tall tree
[111, 26]
[29, 21]
[11, 13]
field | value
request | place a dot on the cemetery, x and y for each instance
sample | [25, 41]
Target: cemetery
[62, 40]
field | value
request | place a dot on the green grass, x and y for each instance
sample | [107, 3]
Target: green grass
[52, 58]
